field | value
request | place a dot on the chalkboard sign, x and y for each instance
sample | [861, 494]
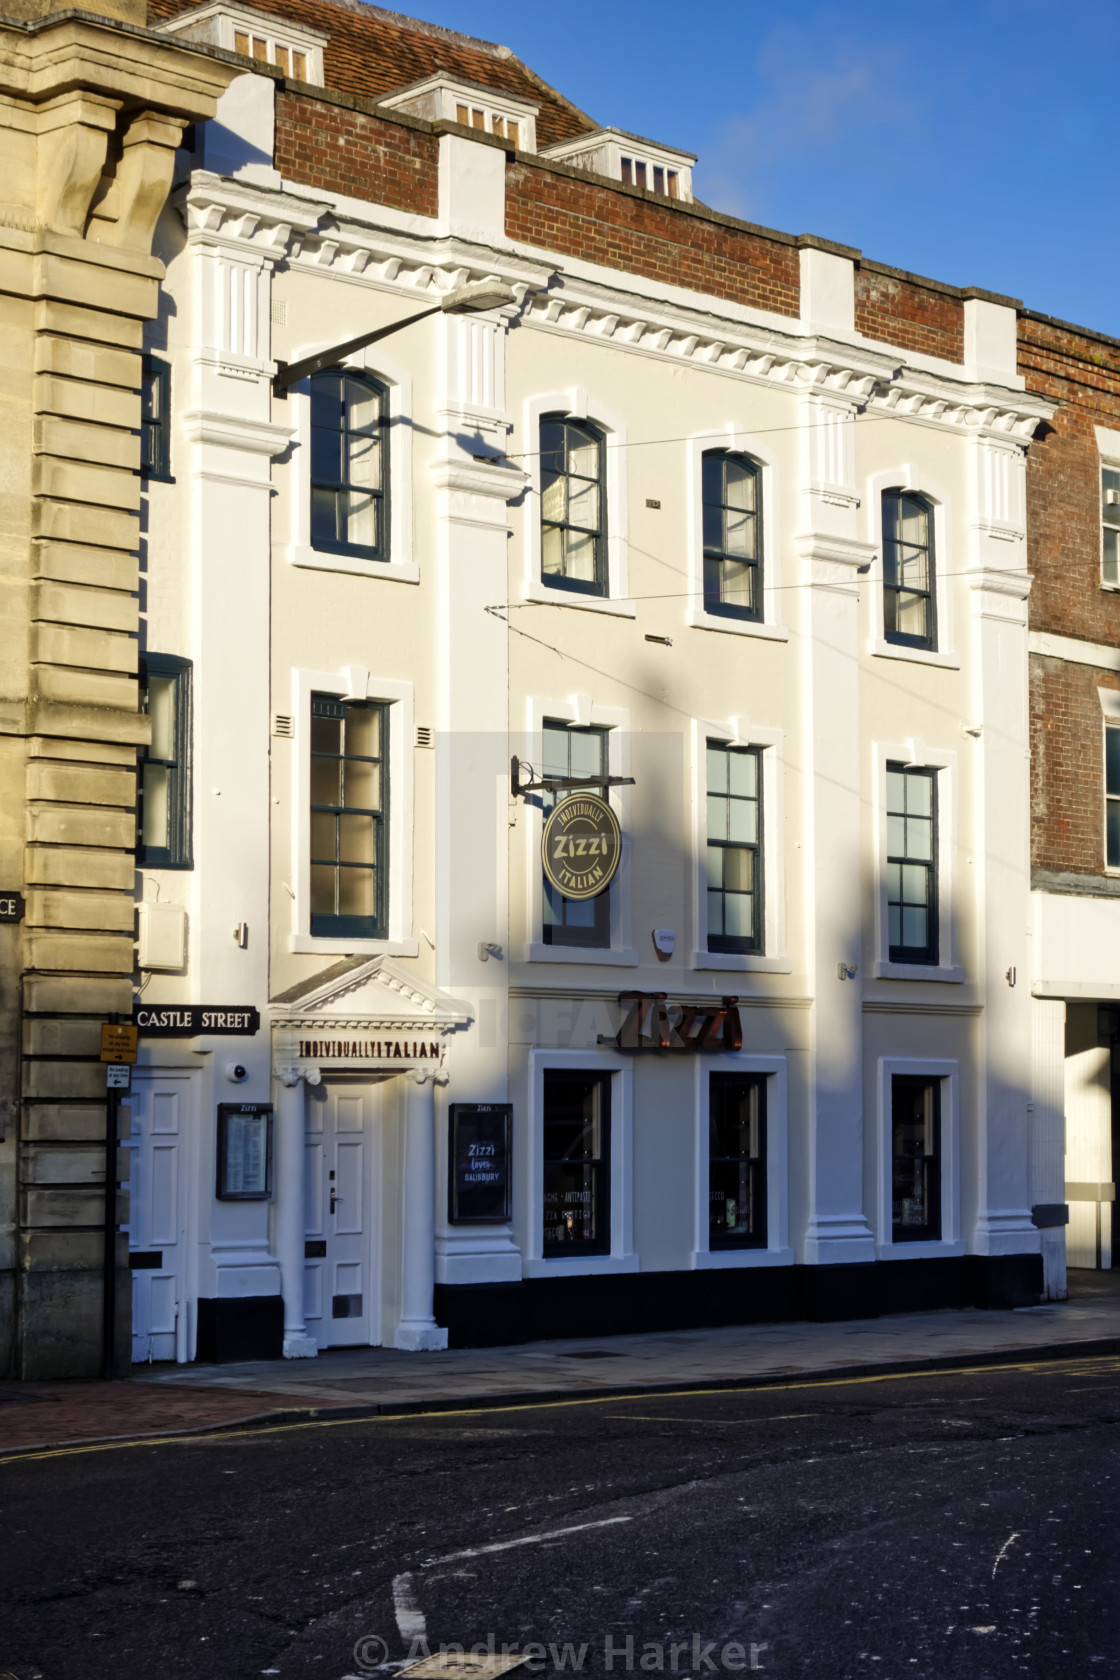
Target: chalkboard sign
[478, 1179]
[244, 1152]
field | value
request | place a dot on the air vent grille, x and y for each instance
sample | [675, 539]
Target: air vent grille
[425, 735]
[282, 725]
[279, 312]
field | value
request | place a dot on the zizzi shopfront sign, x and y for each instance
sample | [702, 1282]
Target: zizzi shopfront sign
[581, 846]
[653, 1023]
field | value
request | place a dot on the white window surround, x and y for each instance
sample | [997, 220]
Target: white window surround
[1108, 447]
[400, 567]
[770, 627]
[575, 403]
[218, 23]
[621, 1257]
[951, 1242]
[914, 754]
[579, 710]
[907, 476]
[773, 958]
[1110, 708]
[354, 682]
[777, 1251]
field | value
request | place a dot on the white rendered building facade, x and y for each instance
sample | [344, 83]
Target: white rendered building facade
[761, 567]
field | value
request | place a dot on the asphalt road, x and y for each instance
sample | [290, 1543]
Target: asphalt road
[919, 1528]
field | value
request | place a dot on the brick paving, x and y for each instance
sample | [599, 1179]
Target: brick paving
[52, 1413]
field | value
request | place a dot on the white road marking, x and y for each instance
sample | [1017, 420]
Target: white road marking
[1002, 1553]
[411, 1624]
[526, 1540]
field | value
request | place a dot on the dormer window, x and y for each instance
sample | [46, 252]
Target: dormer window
[447, 98]
[654, 177]
[292, 48]
[624, 157]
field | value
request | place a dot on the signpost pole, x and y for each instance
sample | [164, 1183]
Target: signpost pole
[109, 1316]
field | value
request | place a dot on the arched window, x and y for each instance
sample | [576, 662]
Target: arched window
[573, 506]
[732, 535]
[349, 464]
[908, 570]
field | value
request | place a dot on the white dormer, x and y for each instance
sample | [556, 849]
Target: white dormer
[449, 99]
[291, 47]
[624, 157]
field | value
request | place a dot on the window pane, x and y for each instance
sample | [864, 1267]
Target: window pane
[919, 795]
[156, 830]
[716, 855]
[586, 752]
[326, 781]
[894, 924]
[282, 59]
[579, 556]
[919, 838]
[363, 731]
[161, 711]
[322, 889]
[743, 768]
[717, 818]
[896, 791]
[1113, 828]
[359, 513]
[583, 454]
[715, 911]
[743, 821]
[915, 1162]
[583, 505]
[915, 881]
[299, 66]
[738, 869]
[575, 1165]
[738, 915]
[325, 525]
[896, 836]
[552, 448]
[1111, 560]
[910, 617]
[737, 584]
[1112, 760]
[555, 741]
[355, 892]
[915, 928]
[552, 551]
[740, 485]
[326, 734]
[362, 785]
[355, 839]
[639, 174]
[717, 770]
[324, 836]
[738, 535]
[513, 133]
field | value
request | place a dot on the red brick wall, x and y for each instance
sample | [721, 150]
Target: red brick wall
[1067, 765]
[897, 309]
[583, 219]
[326, 145]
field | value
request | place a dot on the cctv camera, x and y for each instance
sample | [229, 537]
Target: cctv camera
[236, 1072]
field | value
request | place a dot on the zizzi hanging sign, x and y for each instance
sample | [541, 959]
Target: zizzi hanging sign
[581, 846]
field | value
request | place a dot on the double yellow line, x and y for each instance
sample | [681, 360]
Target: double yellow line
[1052, 1367]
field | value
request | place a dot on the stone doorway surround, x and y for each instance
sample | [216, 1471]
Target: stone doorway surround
[367, 1016]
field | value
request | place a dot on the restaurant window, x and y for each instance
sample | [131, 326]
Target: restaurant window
[915, 1159]
[572, 751]
[732, 535]
[911, 864]
[349, 464]
[155, 419]
[736, 1161]
[734, 847]
[164, 815]
[573, 506]
[1110, 526]
[349, 817]
[909, 618]
[577, 1126]
[1112, 797]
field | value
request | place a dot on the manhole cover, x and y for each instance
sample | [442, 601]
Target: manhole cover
[450, 1665]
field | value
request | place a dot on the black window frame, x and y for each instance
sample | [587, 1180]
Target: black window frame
[929, 954]
[379, 552]
[892, 591]
[1112, 795]
[179, 851]
[1110, 525]
[715, 558]
[600, 585]
[600, 1164]
[755, 940]
[597, 937]
[904, 1087]
[720, 1086]
[155, 427]
[335, 925]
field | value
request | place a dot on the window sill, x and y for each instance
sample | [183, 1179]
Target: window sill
[741, 962]
[946, 660]
[388, 570]
[935, 1250]
[724, 1259]
[354, 947]
[617, 606]
[582, 1265]
[917, 971]
[738, 626]
[614, 958]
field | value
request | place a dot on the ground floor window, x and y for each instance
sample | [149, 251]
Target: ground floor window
[915, 1159]
[577, 1125]
[736, 1160]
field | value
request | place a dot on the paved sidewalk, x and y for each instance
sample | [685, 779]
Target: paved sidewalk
[174, 1398]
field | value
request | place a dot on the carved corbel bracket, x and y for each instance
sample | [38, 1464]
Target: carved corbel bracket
[143, 180]
[74, 133]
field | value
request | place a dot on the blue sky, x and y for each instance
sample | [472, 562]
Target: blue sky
[970, 142]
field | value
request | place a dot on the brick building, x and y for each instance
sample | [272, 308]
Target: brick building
[1073, 518]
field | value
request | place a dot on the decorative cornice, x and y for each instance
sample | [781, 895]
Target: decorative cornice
[231, 431]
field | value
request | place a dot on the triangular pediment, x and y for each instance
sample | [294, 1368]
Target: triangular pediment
[360, 991]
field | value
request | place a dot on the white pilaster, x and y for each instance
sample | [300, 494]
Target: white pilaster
[288, 1209]
[417, 1331]
[836, 1229]
[1048, 1129]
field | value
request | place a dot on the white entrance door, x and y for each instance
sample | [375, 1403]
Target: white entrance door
[156, 1215]
[342, 1282]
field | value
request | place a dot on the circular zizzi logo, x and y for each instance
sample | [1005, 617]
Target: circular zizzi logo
[581, 846]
